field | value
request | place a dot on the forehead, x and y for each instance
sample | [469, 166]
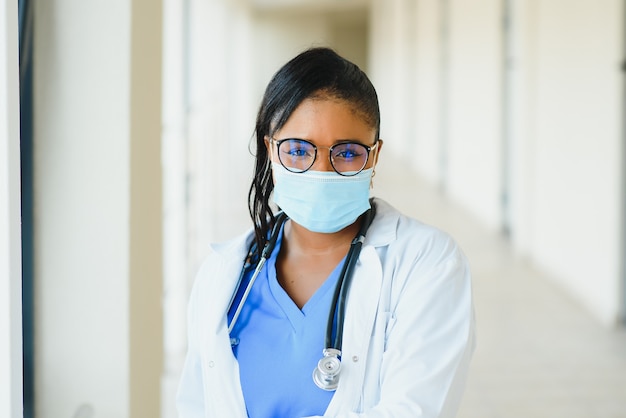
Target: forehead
[327, 120]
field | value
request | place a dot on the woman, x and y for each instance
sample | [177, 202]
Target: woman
[393, 341]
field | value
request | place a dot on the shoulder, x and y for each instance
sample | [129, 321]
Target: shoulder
[217, 276]
[221, 256]
[408, 242]
[395, 229]
[231, 246]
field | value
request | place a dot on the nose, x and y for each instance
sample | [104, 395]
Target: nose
[322, 160]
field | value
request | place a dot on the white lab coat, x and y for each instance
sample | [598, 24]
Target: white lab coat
[408, 334]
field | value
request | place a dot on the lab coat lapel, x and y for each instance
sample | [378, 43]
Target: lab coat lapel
[361, 309]
[220, 368]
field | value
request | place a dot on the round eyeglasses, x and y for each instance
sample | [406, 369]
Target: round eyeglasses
[347, 158]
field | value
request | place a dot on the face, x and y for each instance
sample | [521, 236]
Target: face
[326, 122]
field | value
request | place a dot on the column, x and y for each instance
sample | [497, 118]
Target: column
[10, 241]
[98, 211]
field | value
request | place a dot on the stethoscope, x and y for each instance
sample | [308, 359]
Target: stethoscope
[326, 374]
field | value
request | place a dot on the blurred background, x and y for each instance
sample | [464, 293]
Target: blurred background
[503, 123]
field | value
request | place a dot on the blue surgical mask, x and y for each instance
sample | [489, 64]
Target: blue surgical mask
[321, 201]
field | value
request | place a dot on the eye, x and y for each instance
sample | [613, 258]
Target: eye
[347, 154]
[297, 152]
[297, 149]
[348, 151]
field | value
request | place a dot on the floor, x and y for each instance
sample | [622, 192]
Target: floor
[539, 354]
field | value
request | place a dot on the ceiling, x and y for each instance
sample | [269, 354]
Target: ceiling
[308, 5]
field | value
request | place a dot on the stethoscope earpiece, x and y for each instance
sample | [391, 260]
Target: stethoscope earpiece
[326, 374]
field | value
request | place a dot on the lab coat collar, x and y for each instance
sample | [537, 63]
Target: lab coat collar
[383, 230]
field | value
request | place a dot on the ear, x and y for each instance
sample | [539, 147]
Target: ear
[377, 151]
[268, 147]
[270, 155]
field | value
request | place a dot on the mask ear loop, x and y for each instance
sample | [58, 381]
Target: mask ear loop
[375, 157]
[270, 157]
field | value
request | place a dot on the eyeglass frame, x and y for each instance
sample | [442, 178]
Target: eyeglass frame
[368, 149]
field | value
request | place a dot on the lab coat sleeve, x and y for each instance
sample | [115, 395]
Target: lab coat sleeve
[429, 341]
[190, 397]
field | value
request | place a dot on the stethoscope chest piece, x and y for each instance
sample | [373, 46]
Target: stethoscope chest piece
[326, 374]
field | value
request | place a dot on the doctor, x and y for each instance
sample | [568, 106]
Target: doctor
[396, 342]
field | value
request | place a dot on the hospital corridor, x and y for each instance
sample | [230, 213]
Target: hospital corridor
[126, 150]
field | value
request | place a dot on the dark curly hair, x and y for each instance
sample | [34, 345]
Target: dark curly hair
[315, 72]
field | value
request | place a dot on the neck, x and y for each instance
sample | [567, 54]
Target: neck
[301, 239]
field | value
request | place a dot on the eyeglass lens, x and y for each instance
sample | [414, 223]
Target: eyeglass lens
[298, 155]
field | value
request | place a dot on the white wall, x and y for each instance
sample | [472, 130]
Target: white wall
[10, 241]
[391, 58]
[475, 109]
[81, 193]
[430, 76]
[97, 199]
[348, 36]
[576, 176]
[176, 275]
[398, 112]
[438, 73]
[280, 36]
[563, 106]
[208, 119]
[219, 121]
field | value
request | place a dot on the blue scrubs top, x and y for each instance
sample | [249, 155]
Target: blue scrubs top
[277, 345]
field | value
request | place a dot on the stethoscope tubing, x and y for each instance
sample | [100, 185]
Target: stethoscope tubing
[341, 291]
[267, 252]
[244, 297]
[339, 297]
[323, 377]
